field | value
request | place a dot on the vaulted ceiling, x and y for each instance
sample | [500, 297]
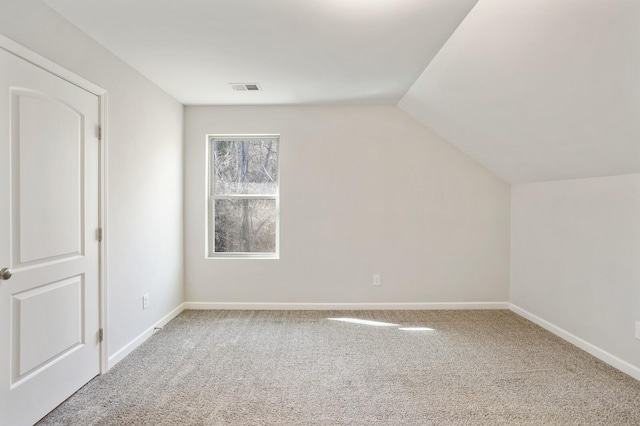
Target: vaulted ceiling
[539, 89]
[533, 89]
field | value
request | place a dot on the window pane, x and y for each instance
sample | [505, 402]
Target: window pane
[245, 226]
[245, 166]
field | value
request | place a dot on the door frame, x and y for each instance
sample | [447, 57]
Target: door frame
[41, 62]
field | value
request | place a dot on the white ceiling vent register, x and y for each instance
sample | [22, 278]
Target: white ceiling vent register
[244, 87]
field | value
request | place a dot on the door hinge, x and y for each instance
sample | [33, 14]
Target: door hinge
[101, 334]
[99, 132]
[99, 234]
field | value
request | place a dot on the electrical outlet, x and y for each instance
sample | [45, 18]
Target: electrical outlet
[637, 329]
[145, 301]
[376, 279]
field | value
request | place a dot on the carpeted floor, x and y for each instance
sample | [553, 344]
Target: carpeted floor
[299, 368]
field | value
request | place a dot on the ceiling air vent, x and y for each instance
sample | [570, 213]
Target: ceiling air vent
[245, 87]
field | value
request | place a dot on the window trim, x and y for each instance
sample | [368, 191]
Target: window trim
[210, 199]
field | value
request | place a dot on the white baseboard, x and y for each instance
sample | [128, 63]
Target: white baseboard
[599, 353]
[343, 306]
[129, 347]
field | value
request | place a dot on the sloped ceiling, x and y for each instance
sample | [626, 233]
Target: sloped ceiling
[539, 89]
[533, 89]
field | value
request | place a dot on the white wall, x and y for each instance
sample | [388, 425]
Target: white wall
[145, 163]
[364, 190]
[575, 258]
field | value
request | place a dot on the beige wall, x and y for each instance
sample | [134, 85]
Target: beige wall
[145, 163]
[364, 190]
[575, 259]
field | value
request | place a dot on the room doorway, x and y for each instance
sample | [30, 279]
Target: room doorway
[50, 222]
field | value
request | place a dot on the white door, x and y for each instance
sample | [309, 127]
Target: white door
[49, 177]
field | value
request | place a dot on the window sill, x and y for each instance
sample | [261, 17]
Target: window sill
[243, 257]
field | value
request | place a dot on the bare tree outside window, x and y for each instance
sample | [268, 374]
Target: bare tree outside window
[243, 193]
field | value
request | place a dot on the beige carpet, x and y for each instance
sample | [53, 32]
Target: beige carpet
[299, 368]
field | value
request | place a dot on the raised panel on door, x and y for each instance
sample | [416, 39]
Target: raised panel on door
[47, 324]
[47, 194]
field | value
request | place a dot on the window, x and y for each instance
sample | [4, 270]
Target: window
[243, 205]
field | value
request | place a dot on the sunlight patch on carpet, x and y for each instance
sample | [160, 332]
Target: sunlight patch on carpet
[416, 329]
[364, 322]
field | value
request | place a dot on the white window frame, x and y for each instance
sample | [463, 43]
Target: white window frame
[210, 252]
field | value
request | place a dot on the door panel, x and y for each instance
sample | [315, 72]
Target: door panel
[49, 180]
[47, 324]
[47, 194]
